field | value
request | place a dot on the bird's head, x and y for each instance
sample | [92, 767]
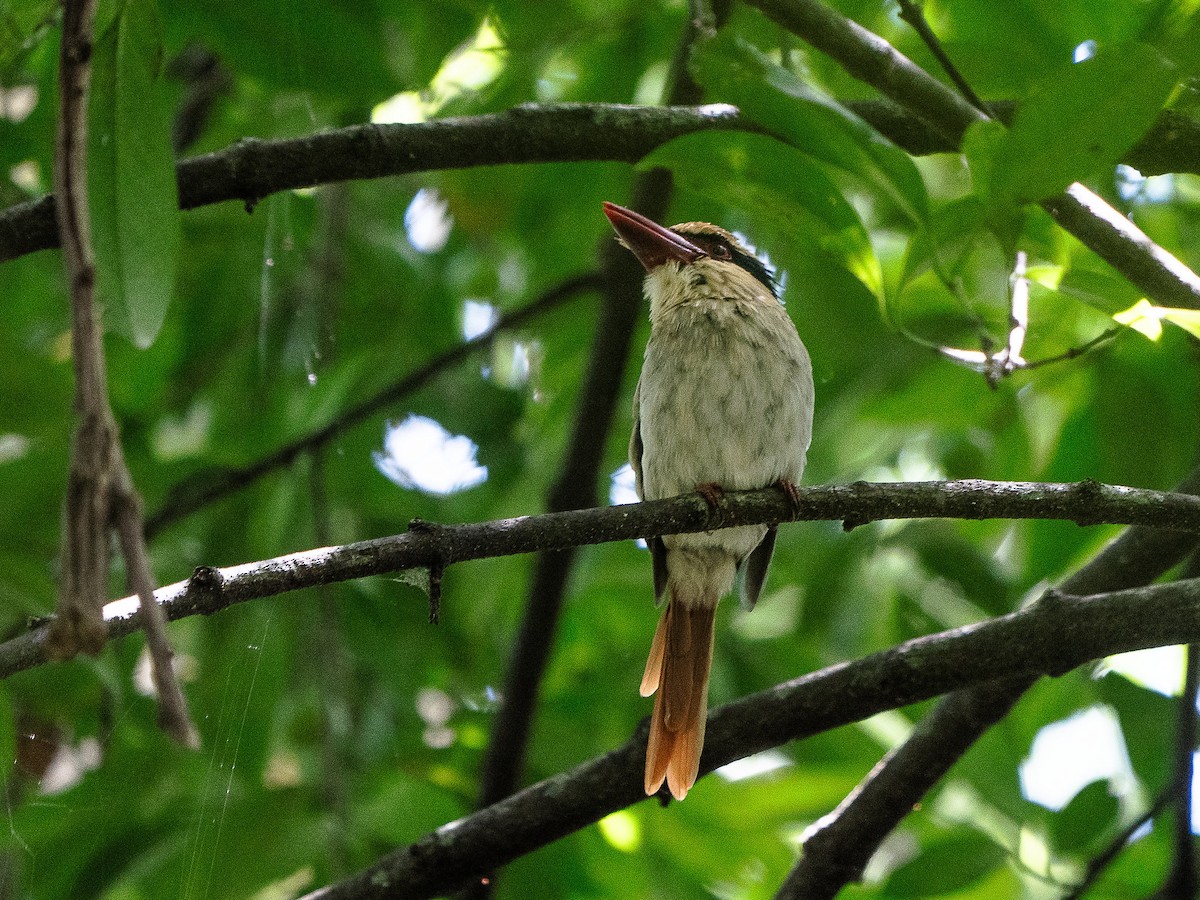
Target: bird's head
[694, 253]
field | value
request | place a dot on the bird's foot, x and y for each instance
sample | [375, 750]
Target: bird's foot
[791, 492]
[712, 494]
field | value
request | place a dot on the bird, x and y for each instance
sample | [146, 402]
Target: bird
[724, 402]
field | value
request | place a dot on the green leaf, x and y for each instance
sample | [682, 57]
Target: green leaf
[1180, 36]
[980, 146]
[945, 867]
[778, 184]
[1148, 723]
[1101, 290]
[733, 70]
[131, 176]
[1089, 816]
[945, 242]
[1080, 121]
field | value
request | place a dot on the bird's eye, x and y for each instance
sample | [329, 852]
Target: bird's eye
[720, 251]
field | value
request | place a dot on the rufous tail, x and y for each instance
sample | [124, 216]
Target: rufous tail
[680, 659]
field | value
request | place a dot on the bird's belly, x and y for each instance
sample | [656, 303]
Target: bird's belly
[719, 409]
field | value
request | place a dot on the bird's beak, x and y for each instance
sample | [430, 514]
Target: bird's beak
[652, 244]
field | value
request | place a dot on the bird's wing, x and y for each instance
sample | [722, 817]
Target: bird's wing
[658, 552]
[756, 565]
[635, 439]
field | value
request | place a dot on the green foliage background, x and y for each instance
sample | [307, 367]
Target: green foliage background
[316, 759]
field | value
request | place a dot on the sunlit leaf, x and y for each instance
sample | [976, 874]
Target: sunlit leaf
[1142, 318]
[1146, 318]
[1187, 319]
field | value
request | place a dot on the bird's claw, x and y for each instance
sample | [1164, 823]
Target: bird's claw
[712, 494]
[791, 492]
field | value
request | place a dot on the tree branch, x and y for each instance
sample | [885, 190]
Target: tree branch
[912, 13]
[100, 490]
[1171, 145]
[1049, 637]
[871, 59]
[210, 590]
[252, 169]
[837, 853]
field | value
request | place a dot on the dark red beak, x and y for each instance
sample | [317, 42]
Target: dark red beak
[652, 244]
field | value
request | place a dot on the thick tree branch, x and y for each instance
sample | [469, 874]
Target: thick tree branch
[1171, 145]
[870, 58]
[252, 169]
[1049, 637]
[209, 486]
[836, 854]
[210, 590]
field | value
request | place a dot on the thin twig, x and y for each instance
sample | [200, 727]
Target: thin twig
[1009, 359]
[100, 490]
[205, 81]
[914, 15]
[1115, 847]
[1018, 314]
[173, 715]
[207, 487]
[836, 853]
[1181, 882]
[1075, 352]
[999, 364]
